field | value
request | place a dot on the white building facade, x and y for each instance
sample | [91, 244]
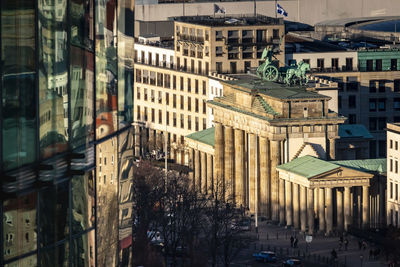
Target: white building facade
[393, 176]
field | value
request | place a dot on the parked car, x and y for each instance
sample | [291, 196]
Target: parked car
[265, 256]
[292, 262]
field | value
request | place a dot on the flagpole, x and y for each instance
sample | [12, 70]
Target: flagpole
[276, 14]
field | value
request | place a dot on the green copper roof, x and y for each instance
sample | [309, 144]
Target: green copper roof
[353, 131]
[206, 136]
[308, 166]
[365, 165]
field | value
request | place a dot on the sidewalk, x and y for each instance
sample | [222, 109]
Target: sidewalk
[321, 246]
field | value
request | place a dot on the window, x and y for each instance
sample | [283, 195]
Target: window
[167, 98]
[391, 143]
[349, 63]
[335, 63]
[382, 104]
[189, 122]
[396, 86]
[372, 86]
[352, 119]
[174, 100]
[391, 165]
[138, 113]
[174, 82]
[138, 93]
[174, 119]
[181, 83]
[381, 124]
[159, 116]
[382, 87]
[378, 65]
[396, 166]
[218, 36]
[391, 190]
[204, 124]
[204, 88]
[159, 97]
[145, 94]
[189, 85]
[320, 63]
[396, 104]
[396, 145]
[372, 104]
[167, 117]
[275, 33]
[306, 60]
[196, 124]
[152, 95]
[145, 113]
[189, 103]
[352, 101]
[182, 121]
[396, 194]
[370, 65]
[153, 115]
[196, 86]
[182, 102]
[196, 105]
[372, 124]
[233, 67]
[204, 107]
[218, 51]
[393, 64]
[219, 67]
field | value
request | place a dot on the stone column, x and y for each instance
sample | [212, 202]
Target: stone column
[310, 208]
[303, 208]
[381, 199]
[191, 164]
[219, 157]
[209, 173]
[159, 141]
[229, 163]
[281, 202]
[332, 153]
[296, 206]
[347, 208]
[152, 140]
[203, 172]
[264, 177]
[137, 141]
[197, 169]
[289, 212]
[339, 204]
[275, 156]
[145, 146]
[365, 204]
[252, 170]
[240, 193]
[321, 209]
[329, 210]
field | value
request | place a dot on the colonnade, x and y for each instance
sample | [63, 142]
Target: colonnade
[246, 165]
[298, 208]
[203, 170]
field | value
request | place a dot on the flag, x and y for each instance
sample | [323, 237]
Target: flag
[218, 9]
[280, 10]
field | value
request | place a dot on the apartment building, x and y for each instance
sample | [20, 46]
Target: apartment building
[172, 84]
[369, 87]
[393, 174]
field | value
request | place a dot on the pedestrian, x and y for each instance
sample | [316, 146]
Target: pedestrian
[346, 243]
[334, 254]
[364, 245]
[359, 244]
[295, 242]
[291, 241]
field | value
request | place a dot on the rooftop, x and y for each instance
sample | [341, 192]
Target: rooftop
[231, 20]
[309, 166]
[295, 43]
[206, 136]
[393, 127]
[354, 131]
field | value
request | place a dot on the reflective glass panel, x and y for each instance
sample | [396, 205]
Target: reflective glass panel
[57, 256]
[83, 202]
[125, 61]
[83, 250]
[18, 82]
[106, 67]
[107, 202]
[53, 77]
[53, 208]
[30, 261]
[19, 225]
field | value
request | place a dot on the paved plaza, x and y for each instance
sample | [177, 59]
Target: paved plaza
[273, 237]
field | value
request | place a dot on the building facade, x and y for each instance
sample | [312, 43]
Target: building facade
[393, 178]
[173, 85]
[66, 138]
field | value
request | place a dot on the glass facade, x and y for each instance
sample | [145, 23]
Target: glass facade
[66, 138]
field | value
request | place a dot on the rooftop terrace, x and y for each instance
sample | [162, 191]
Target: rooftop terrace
[229, 21]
